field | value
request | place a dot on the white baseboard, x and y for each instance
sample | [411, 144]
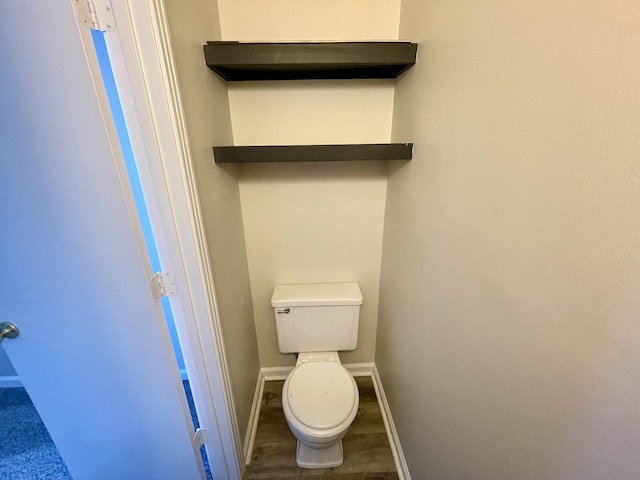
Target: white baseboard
[360, 369]
[252, 426]
[281, 373]
[10, 381]
[394, 441]
[268, 374]
[271, 374]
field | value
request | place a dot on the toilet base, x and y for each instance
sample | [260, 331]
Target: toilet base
[319, 457]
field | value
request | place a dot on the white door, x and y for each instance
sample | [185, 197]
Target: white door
[93, 352]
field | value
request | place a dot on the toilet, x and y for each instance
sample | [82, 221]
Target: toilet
[320, 396]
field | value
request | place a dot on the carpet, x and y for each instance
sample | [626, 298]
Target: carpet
[26, 449]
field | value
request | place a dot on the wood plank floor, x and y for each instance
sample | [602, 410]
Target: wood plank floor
[367, 455]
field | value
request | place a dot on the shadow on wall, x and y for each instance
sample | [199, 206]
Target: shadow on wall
[316, 172]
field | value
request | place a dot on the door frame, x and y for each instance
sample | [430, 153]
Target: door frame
[144, 71]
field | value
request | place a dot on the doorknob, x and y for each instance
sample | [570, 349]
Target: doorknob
[8, 330]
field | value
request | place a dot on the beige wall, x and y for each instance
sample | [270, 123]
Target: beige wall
[331, 20]
[207, 113]
[312, 222]
[510, 293]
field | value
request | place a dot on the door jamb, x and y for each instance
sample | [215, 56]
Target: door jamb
[144, 71]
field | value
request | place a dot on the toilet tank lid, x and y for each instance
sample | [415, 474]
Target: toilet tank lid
[313, 294]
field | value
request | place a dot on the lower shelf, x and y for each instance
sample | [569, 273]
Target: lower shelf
[313, 153]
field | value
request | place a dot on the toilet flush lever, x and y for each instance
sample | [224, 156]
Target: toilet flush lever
[8, 330]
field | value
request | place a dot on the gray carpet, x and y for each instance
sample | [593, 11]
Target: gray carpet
[26, 449]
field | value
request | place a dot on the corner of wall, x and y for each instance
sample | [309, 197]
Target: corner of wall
[206, 105]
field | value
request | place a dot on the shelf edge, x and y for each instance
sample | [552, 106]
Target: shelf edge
[313, 153]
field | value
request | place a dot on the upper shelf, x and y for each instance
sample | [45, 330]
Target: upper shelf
[235, 61]
[313, 153]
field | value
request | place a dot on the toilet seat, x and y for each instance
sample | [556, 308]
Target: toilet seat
[321, 395]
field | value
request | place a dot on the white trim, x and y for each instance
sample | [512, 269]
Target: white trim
[360, 369]
[281, 373]
[252, 426]
[144, 71]
[116, 45]
[268, 374]
[271, 374]
[394, 441]
[10, 381]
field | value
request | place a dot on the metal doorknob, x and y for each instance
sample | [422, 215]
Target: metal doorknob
[8, 330]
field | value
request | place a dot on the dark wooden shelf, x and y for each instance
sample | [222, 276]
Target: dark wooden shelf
[236, 61]
[313, 153]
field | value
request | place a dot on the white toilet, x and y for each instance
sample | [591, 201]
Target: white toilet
[319, 397]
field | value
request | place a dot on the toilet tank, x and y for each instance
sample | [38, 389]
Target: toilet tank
[317, 317]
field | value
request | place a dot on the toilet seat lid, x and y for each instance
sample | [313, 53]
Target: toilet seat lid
[321, 395]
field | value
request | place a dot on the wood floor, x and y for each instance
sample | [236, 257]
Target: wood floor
[367, 455]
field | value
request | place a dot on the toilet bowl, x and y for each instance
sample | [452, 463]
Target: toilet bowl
[320, 401]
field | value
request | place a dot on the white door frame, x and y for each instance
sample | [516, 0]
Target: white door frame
[144, 72]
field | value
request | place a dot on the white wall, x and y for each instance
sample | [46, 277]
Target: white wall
[207, 115]
[6, 369]
[508, 332]
[312, 222]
